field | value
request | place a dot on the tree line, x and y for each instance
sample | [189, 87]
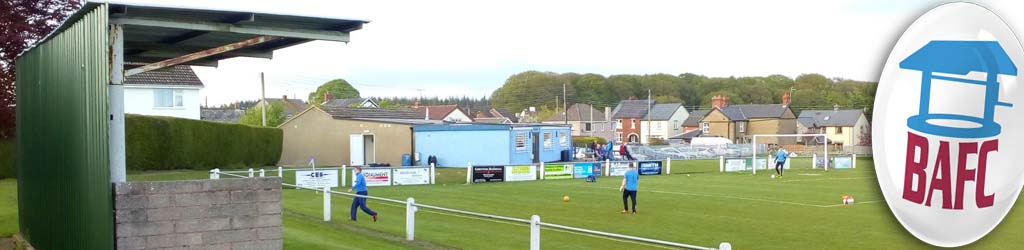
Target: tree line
[809, 91]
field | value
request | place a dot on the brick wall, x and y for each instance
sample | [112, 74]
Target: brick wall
[199, 214]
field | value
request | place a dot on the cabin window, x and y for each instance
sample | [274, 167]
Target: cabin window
[547, 140]
[563, 139]
[520, 141]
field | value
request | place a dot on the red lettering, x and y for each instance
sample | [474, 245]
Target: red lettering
[962, 173]
[980, 198]
[941, 184]
[915, 168]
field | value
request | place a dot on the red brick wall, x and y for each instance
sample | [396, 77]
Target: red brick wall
[626, 129]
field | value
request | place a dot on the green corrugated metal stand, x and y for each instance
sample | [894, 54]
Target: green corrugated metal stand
[64, 190]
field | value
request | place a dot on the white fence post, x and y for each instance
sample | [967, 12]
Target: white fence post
[327, 204]
[668, 165]
[607, 167]
[410, 219]
[854, 160]
[280, 172]
[721, 163]
[535, 232]
[215, 174]
[432, 173]
[344, 176]
[542, 170]
[250, 173]
[469, 173]
[263, 173]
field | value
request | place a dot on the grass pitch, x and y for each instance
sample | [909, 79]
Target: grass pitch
[695, 205]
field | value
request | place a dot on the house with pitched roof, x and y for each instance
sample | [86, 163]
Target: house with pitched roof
[585, 121]
[448, 113]
[847, 127]
[503, 113]
[740, 122]
[664, 120]
[627, 116]
[292, 106]
[171, 91]
[351, 103]
[349, 136]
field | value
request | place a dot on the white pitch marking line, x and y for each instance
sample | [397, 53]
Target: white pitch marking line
[738, 198]
[826, 179]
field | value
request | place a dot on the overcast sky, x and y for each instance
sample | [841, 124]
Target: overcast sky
[455, 48]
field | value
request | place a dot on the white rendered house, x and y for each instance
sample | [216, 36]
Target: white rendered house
[172, 91]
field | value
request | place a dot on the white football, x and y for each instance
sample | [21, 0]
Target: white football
[773, 176]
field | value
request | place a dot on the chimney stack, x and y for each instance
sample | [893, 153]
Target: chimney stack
[327, 96]
[719, 101]
[785, 99]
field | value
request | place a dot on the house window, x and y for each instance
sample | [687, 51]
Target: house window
[563, 139]
[168, 98]
[520, 141]
[705, 127]
[586, 127]
[742, 126]
[618, 124]
[633, 124]
[839, 130]
[547, 140]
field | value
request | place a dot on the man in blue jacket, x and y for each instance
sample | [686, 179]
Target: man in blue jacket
[360, 202]
[629, 186]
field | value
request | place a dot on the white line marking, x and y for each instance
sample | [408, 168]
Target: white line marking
[826, 179]
[863, 202]
[732, 197]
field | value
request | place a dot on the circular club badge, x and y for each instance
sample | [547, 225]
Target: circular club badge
[946, 125]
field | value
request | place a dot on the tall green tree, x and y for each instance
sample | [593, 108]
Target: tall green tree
[254, 116]
[339, 89]
[809, 91]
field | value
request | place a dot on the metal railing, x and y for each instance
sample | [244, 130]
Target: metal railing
[411, 207]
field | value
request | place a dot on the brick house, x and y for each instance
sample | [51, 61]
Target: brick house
[627, 116]
[740, 122]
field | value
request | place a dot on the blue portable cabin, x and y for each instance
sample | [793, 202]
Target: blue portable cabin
[457, 145]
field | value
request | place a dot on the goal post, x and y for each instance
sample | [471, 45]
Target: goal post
[754, 145]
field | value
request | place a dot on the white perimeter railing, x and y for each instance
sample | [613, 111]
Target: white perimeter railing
[411, 207]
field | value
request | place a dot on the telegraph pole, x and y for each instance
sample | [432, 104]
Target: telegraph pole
[263, 96]
[649, 125]
[565, 104]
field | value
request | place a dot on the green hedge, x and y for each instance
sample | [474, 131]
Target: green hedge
[160, 143]
[7, 160]
[583, 141]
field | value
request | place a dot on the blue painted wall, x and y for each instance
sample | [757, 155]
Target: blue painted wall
[457, 145]
[457, 148]
[523, 155]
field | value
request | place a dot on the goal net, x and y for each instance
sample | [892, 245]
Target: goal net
[803, 152]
